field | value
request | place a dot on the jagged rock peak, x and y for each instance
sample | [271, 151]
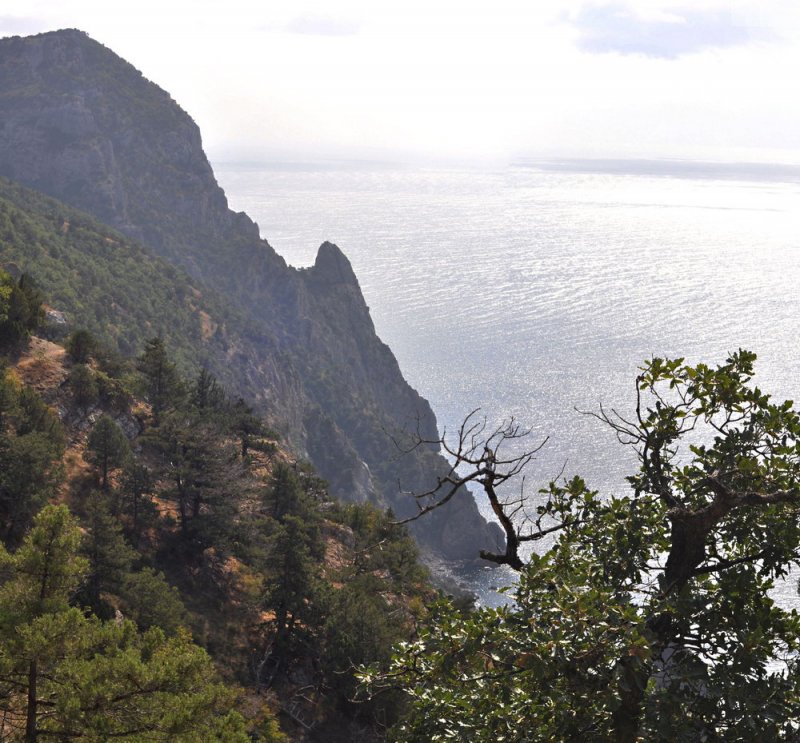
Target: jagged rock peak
[333, 266]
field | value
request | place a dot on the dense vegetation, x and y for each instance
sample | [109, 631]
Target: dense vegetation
[193, 565]
[83, 126]
[184, 523]
[650, 618]
[115, 289]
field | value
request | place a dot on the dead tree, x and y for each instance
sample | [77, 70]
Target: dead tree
[478, 455]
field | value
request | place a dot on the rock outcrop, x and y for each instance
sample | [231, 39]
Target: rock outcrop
[82, 125]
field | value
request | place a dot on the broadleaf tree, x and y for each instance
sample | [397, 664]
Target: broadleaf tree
[644, 616]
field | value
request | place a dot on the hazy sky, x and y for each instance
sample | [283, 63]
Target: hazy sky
[393, 79]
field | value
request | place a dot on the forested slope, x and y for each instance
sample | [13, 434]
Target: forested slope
[84, 126]
[181, 516]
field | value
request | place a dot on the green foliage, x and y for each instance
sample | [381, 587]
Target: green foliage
[21, 308]
[110, 558]
[137, 504]
[44, 573]
[245, 425]
[361, 627]
[204, 477]
[199, 452]
[207, 394]
[151, 602]
[109, 286]
[84, 386]
[81, 346]
[650, 616]
[383, 546]
[163, 385]
[66, 675]
[107, 447]
[31, 443]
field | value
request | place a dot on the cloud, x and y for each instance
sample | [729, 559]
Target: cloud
[322, 26]
[10, 24]
[618, 29]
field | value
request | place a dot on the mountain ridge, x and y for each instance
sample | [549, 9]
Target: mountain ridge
[83, 126]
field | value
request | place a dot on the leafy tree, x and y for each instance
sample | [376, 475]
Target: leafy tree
[64, 675]
[650, 616]
[107, 447]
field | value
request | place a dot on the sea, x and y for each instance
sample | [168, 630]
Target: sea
[534, 291]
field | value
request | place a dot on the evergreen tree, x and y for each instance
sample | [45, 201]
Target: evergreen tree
[137, 485]
[110, 558]
[40, 579]
[80, 346]
[162, 381]
[21, 309]
[294, 591]
[107, 447]
[151, 602]
[84, 385]
[245, 425]
[31, 442]
[206, 392]
[66, 676]
[206, 479]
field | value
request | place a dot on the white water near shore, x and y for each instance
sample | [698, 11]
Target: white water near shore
[532, 291]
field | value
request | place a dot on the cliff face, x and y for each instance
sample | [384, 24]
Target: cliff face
[82, 125]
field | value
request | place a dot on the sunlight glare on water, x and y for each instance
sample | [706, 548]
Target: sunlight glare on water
[530, 292]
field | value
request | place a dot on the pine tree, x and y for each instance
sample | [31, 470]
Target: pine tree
[137, 485]
[110, 557]
[66, 676]
[107, 447]
[162, 381]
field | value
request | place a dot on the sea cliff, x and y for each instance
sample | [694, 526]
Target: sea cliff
[80, 124]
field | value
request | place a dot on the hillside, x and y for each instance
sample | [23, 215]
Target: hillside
[80, 124]
[191, 518]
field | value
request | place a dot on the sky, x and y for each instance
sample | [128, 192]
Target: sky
[439, 80]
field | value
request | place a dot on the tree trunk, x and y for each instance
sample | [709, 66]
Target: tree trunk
[30, 719]
[626, 718]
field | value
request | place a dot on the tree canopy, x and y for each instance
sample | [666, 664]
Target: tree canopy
[65, 675]
[650, 615]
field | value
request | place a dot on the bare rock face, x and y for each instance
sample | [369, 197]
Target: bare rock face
[82, 125]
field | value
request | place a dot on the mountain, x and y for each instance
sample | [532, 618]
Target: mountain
[83, 126]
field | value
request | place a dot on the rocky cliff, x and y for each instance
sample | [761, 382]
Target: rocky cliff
[84, 126]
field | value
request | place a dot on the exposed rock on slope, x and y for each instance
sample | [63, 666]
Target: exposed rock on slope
[82, 125]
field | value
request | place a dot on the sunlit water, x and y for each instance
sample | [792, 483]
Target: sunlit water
[531, 292]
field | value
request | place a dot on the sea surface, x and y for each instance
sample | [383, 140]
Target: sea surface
[536, 290]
